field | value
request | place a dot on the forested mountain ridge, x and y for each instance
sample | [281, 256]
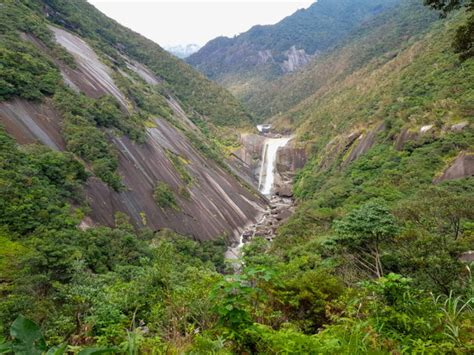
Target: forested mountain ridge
[192, 89]
[264, 53]
[375, 42]
[376, 258]
[105, 141]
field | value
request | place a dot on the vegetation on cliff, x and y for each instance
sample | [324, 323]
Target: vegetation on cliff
[193, 90]
[371, 262]
[31, 71]
[254, 58]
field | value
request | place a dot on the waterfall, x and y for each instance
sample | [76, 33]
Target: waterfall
[265, 186]
[267, 171]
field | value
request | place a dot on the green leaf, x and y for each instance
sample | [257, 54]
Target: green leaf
[57, 350]
[96, 351]
[27, 336]
[5, 348]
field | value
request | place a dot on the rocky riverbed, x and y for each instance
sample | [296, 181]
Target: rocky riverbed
[279, 210]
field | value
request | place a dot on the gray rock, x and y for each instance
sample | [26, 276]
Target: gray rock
[462, 167]
[405, 136]
[283, 215]
[459, 126]
[467, 257]
[285, 190]
[289, 159]
[363, 144]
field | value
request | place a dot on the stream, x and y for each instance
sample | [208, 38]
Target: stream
[279, 208]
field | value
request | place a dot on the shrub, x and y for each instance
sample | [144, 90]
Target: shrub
[164, 196]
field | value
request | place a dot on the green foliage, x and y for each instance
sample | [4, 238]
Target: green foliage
[371, 221]
[210, 252]
[237, 62]
[28, 340]
[443, 5]
[179, 163]
[363, 231]
[164, 196]
[82, 115]
[24, 72]
[139, 291]
[464, 40]
[17, 16]
[27, 337]
[192, 89]
[33, 185]
[148, 98]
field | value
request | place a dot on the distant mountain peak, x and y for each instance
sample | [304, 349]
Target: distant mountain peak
[268, 52]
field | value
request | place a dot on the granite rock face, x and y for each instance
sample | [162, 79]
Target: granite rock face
[289, 159]
[251, 149]
[462, 167]
[217, 205]
[247, 159]
[459, 127]
[413, 135]
[92, 76]
[467, 257]
[362, 144]
[406, 135]
[296, 59]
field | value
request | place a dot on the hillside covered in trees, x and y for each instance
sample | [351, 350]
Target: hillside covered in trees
[377, 257]
[264, 53]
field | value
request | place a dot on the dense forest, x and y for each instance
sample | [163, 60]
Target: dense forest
[373, 260]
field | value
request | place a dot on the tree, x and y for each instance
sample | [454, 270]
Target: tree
[164, 196]
[463, 43]
[363, 231]
[444, 6]
[439, 211]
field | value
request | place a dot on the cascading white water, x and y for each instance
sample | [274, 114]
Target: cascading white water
[265, 186]
[267, 172]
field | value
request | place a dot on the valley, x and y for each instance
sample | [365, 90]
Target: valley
[302, 187]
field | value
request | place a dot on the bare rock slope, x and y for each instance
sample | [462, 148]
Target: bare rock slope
[216, 203]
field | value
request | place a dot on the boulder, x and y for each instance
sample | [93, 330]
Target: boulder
[363, 144]
[285, 190]
[426, 129]
[467, 257]
[413, 135]
[251, 149]
[458, 127]
[462, 167]
[337, 147]
[405, 136]
[283, 215]
[289, 159]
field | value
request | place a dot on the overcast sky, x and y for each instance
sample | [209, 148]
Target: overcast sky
[169, 22]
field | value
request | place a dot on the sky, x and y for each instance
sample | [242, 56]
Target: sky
[178, 22]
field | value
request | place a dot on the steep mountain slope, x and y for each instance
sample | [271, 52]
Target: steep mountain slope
[377, 258]
[376, 42]
[395, 125]
[190, 88]
[140, 121]
[264, 53]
